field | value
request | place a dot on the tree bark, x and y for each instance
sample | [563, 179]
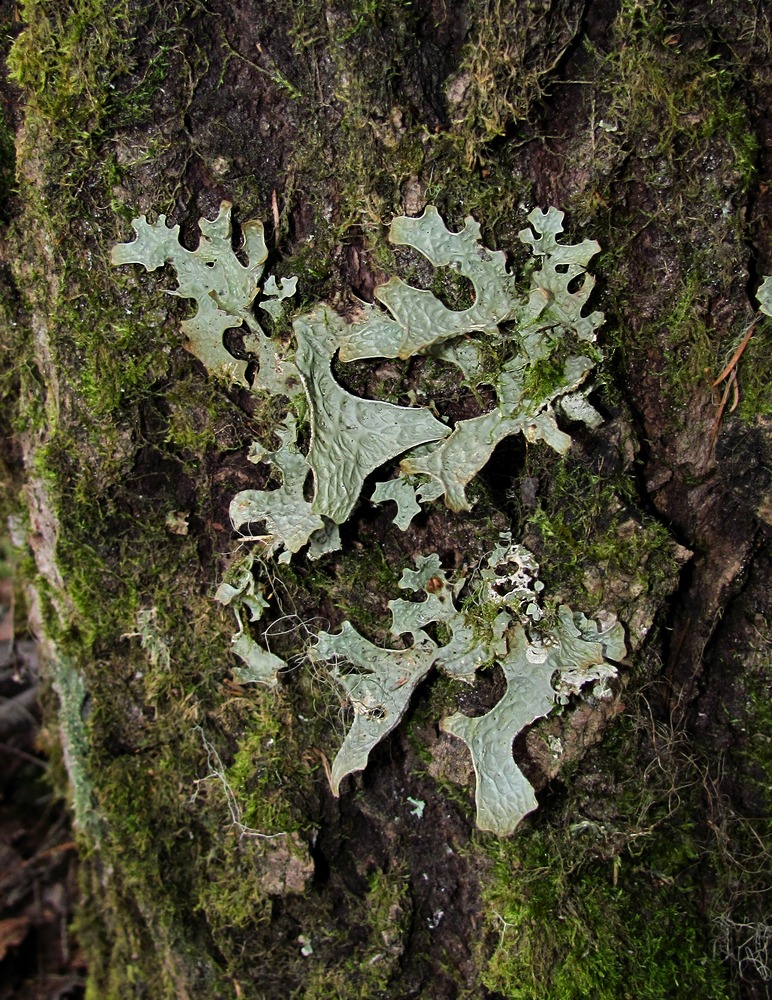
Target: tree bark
[215, 860]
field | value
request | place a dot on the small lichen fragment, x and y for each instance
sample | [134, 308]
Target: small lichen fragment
[275, 294]
[554, 301]
[764, 296]
[510, 578]
[153, 640]
[403, 493]
[288, 516]
[578, 652]
[324, 541]
[70, 687]
[379, 690]
[575, 406]
[261, 666]
[585, 649]
[241, 588]
[212, 274]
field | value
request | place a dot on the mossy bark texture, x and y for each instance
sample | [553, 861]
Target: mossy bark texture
[215, 861]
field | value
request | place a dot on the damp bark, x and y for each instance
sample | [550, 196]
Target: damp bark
[215, 860]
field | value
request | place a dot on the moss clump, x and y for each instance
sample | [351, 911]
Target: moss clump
[501, 78]
[609, 905]
[362, 588]
[691, 354]
[595, 548]
[674, 94]
[370, 968]
[258, 776]
[665, 112]
[7, 168]
[76, 62]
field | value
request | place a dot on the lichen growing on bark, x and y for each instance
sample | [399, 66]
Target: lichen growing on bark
[536, 667]
[351, 437]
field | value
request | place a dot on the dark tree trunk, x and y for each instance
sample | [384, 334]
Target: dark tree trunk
[215, 860]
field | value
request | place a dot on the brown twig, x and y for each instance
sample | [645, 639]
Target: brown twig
[276, 216]
[737, 354]
[735, 396]
[732, 381]
[730, 373]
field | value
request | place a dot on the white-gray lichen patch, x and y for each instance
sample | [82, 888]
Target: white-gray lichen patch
[260, 665]
[403, 493]
[528, 325]
[461, 656]
[212, 274]
[350, 437]
[420, 320]
[538, 674]
[241, 592]
[506, 338]
[378, 684]
[540, 670]
[288, 517]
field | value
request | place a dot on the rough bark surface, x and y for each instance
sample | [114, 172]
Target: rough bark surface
[215, 860]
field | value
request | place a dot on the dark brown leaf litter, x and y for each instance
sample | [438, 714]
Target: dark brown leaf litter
[39, 958]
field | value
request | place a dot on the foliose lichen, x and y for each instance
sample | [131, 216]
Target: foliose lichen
[351, 437]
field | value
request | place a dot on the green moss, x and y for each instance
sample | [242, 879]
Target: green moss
[498, 81]
[741, 820]
[145, 777]
[7, 168]
[567, 925]
[382, 146]
[120, 356]
[230, 896]
[590, 539]
[688, 345]
[258, 774]
[166, 811]
[371, 967]
[76, 62]
[199, 415]
[387, 915]
[666, 112]
[544, 377]
[362, 588]
[682, 345]
[676, 96]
